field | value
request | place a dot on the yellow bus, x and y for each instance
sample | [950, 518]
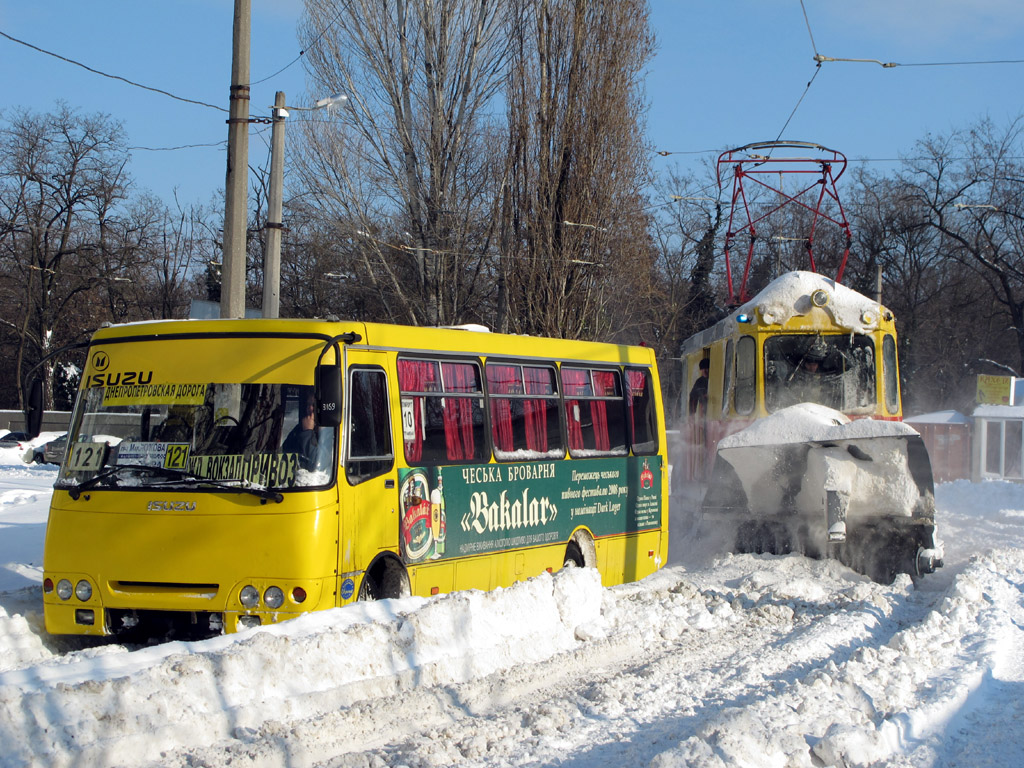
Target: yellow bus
[230, 473]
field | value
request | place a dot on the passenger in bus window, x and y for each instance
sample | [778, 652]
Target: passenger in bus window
[303, 439]
[699, 391]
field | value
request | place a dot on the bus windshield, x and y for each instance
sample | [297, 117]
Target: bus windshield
[250, 435]
[835, 371]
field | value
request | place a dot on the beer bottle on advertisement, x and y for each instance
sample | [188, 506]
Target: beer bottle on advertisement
[435, 516]
[442, 523]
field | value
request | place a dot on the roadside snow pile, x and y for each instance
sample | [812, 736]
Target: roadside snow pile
[886, 700]
[124, 708]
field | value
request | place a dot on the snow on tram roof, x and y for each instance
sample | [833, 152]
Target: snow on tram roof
[791, 294]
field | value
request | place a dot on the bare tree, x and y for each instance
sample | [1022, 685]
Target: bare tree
[574, 233]
[970, 187]
[406, 173]
[62, 180]
[931, 294]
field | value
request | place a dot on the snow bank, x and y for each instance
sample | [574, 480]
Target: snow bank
[124, 708]
[888, 699]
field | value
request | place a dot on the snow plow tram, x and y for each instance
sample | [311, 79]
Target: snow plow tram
[798, 443]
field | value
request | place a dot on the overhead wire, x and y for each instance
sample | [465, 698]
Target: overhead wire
[112, 77]
[327, 27]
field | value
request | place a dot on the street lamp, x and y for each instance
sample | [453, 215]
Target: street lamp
[275, 198]
[584, 226]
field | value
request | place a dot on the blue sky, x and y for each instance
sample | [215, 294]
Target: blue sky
[727, 73]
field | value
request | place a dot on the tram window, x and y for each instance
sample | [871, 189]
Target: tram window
[890, 374]
[727, 371]
[746, 381]
[524, 412]
[594, 412]
[643, 433]
[837, 371]
[442, 411]
[369, 443]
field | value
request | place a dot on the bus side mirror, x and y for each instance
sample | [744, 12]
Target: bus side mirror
[328, 387]
[34, 408]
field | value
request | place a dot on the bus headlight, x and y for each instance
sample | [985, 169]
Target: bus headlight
[83, 590]
[273, 597]
[249, 596]
[64, 589]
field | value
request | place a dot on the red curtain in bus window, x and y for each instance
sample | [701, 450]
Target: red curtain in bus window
[604, 385]
[635, 381]
[502, 380]
[458, 411]
[574, 382]
[416, 376]
[535, 411]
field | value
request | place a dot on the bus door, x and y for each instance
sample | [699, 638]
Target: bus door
[369, 479]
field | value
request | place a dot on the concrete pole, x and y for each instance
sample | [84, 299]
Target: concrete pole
[272, 259]
[236, 182]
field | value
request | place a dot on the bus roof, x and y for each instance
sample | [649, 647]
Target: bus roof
[465, 340]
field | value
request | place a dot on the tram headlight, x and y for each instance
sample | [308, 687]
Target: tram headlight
[64, 589]
[867, 317]
[273, 598]
[83, 590]
[249, 596]
[819, 298]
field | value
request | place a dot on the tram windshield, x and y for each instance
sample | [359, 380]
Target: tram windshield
[835, 371]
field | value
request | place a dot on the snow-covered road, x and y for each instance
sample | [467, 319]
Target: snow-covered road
[739, 660]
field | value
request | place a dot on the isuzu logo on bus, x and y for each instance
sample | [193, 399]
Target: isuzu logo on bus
[101, 362]
[171, 506]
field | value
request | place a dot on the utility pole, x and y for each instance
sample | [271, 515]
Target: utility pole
[236, 202]
[272, 259]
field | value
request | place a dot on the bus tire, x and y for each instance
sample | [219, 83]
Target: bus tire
[385, 579]
[368, 590]
[573, 556]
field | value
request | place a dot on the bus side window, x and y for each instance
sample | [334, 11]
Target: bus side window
[594, 412]
[524, 411]
[442, 411]
[642, 417]
[746, 380]
[369, 443]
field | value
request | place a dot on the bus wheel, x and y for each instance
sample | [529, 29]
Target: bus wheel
[368, 590]
[573, 556]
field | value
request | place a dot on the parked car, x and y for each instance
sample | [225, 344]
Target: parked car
[13, 439]
[51, 452]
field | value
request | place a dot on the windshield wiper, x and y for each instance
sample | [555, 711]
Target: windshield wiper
[77, 490]
[178, 476]
[190, 478]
